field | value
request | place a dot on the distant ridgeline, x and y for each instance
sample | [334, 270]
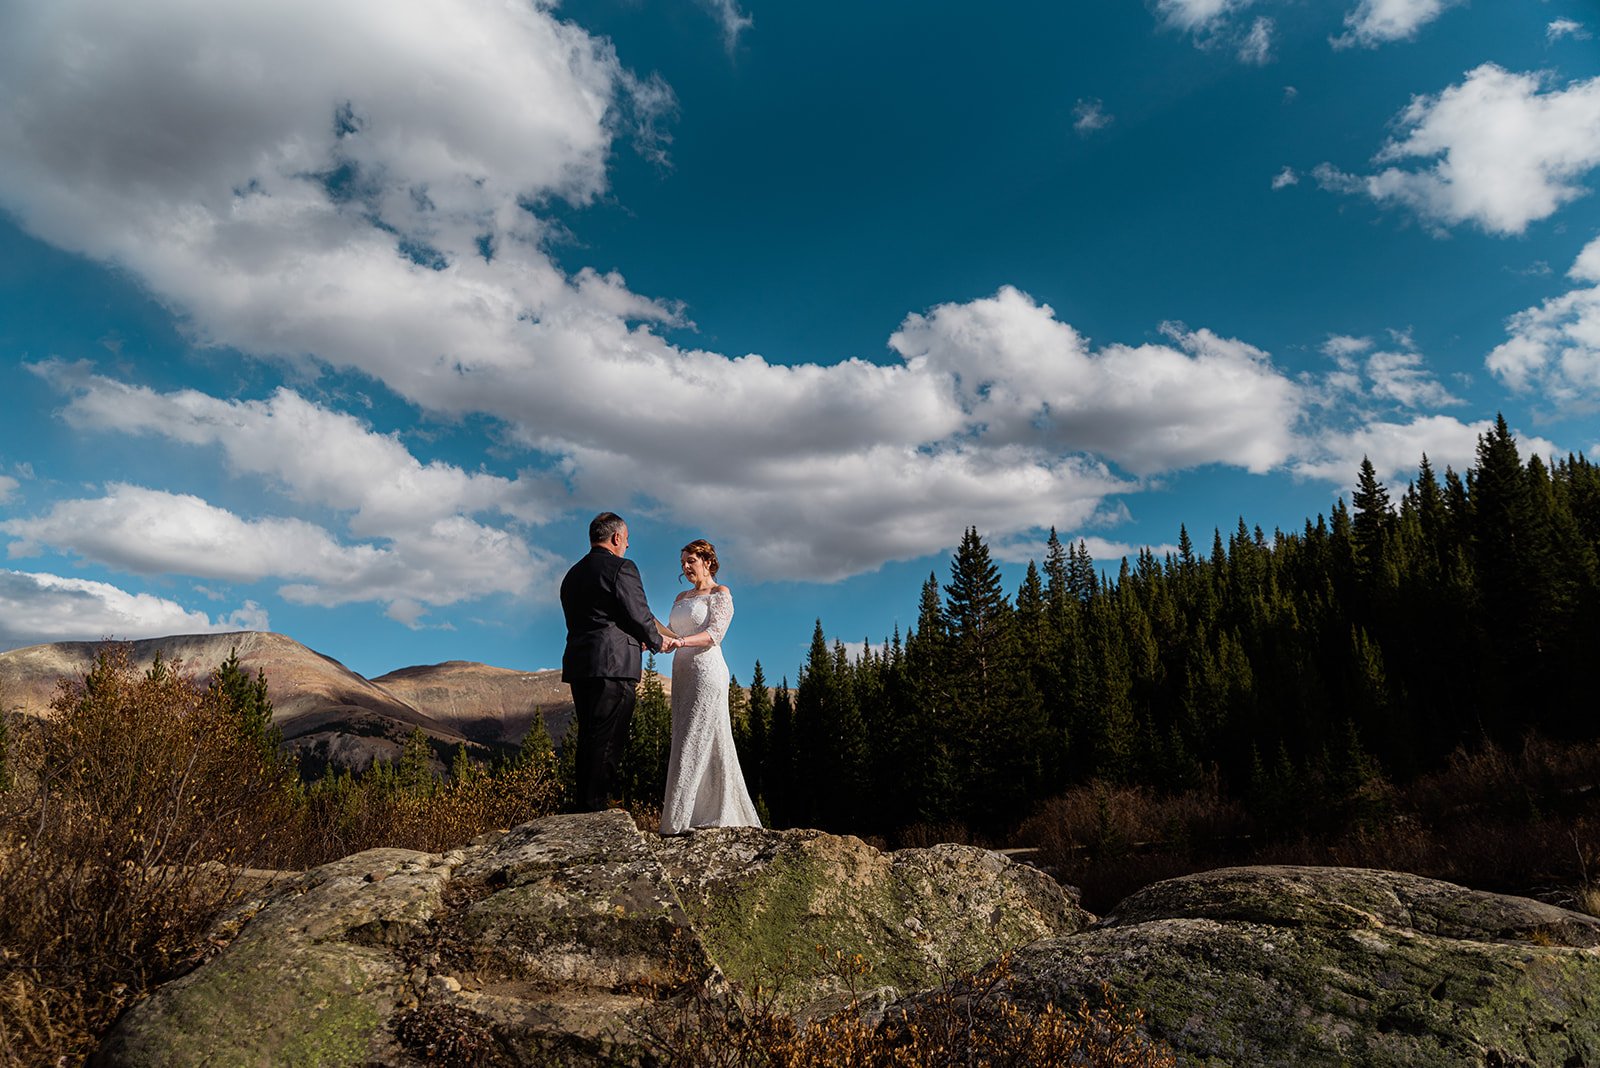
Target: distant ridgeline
[1295, 667]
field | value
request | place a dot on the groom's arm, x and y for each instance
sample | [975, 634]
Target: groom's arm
[636, 618]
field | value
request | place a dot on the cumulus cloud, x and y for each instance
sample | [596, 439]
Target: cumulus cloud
[351, 469]
[149, 531]
[1396, 449]
[1376, 22]
[1027, 378]
[1089, 116]
[36, 608]
[1507, 150]
[1554, 348]
[1284, 179]
[1395, 375]
[1560, 28]
[371, 197]
[1401, 377]
[8, 486]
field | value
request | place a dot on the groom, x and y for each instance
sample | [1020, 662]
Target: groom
[608, 620]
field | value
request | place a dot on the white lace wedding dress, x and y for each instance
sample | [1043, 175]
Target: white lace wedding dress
[705, 787]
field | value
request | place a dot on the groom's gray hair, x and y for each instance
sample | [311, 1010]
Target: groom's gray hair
[602, 526]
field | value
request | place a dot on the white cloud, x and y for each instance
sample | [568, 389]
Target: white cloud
[1376, 22]
[148, 531]
[1284, 179]
[1290, 93]
[1256, 47]
[1554, 348]
[1089, 116]
[732, 20]
[1026, 377]
[352, 468]
[1396, 375]
[1396, 449]
[1198, 16]
[1106, 553]
[1401, 377]
[367, 196]
[1339, 345]
[1507, 151]
[37, 608]
[8, 486]
[1560, 28]
[1218, 24]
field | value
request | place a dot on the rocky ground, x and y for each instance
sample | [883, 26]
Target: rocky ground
[571, 933]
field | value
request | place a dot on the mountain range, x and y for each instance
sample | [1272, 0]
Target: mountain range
[330, 715]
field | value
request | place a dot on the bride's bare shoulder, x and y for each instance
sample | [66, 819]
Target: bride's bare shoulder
[722, 590]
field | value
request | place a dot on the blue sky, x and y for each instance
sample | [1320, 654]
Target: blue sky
[341, 318]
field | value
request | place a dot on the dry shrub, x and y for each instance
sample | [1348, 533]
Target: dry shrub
[129, 812]
[1109, 840]
[343, 816]
[969, 1020]
[646, 816]
[1541, 777]
[1523, 821]
[127, 817]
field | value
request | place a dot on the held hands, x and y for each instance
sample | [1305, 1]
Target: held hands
[669, 644]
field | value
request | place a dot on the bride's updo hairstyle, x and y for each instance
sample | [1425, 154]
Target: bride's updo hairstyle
[705, 551]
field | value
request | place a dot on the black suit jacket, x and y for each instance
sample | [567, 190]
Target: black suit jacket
[608, 619]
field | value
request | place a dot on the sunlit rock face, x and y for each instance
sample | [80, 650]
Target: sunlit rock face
[568, 938]
[1337, 966]
[567, 935]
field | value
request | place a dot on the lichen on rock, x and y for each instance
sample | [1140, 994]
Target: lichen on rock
[1337, 966]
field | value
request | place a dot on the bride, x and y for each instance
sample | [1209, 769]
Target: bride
[705, 787]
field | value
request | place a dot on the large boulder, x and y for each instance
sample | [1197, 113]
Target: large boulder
[782, 906]
[566, 937]
[1335, 966]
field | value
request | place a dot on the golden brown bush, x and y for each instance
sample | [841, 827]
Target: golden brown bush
[119, 801]
[131, 812]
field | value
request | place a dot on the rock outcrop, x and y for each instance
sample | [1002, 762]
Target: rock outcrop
[1336, 966]
[565, 939]
[564, 936]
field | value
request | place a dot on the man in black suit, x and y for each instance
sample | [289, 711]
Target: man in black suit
[608, 620]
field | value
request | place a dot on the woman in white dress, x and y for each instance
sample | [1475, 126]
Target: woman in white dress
[705, 787]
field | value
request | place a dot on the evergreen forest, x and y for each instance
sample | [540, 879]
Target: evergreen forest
[1288, 671]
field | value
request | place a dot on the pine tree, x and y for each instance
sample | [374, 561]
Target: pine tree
[537, 750]
[251, 704]
[413, 773]
[1370, 529]
[643, 773]
[463, 769]
[978, 621]
[567, 763]
[760, 715]
[781, 764]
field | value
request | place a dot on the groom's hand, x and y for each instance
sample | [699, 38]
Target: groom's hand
[669, 644]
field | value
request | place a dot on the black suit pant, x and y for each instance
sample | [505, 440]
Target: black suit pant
[604, 709]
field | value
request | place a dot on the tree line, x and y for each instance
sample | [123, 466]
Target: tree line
[1295, 668]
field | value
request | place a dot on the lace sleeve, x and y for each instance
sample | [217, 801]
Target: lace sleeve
[719, 613]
